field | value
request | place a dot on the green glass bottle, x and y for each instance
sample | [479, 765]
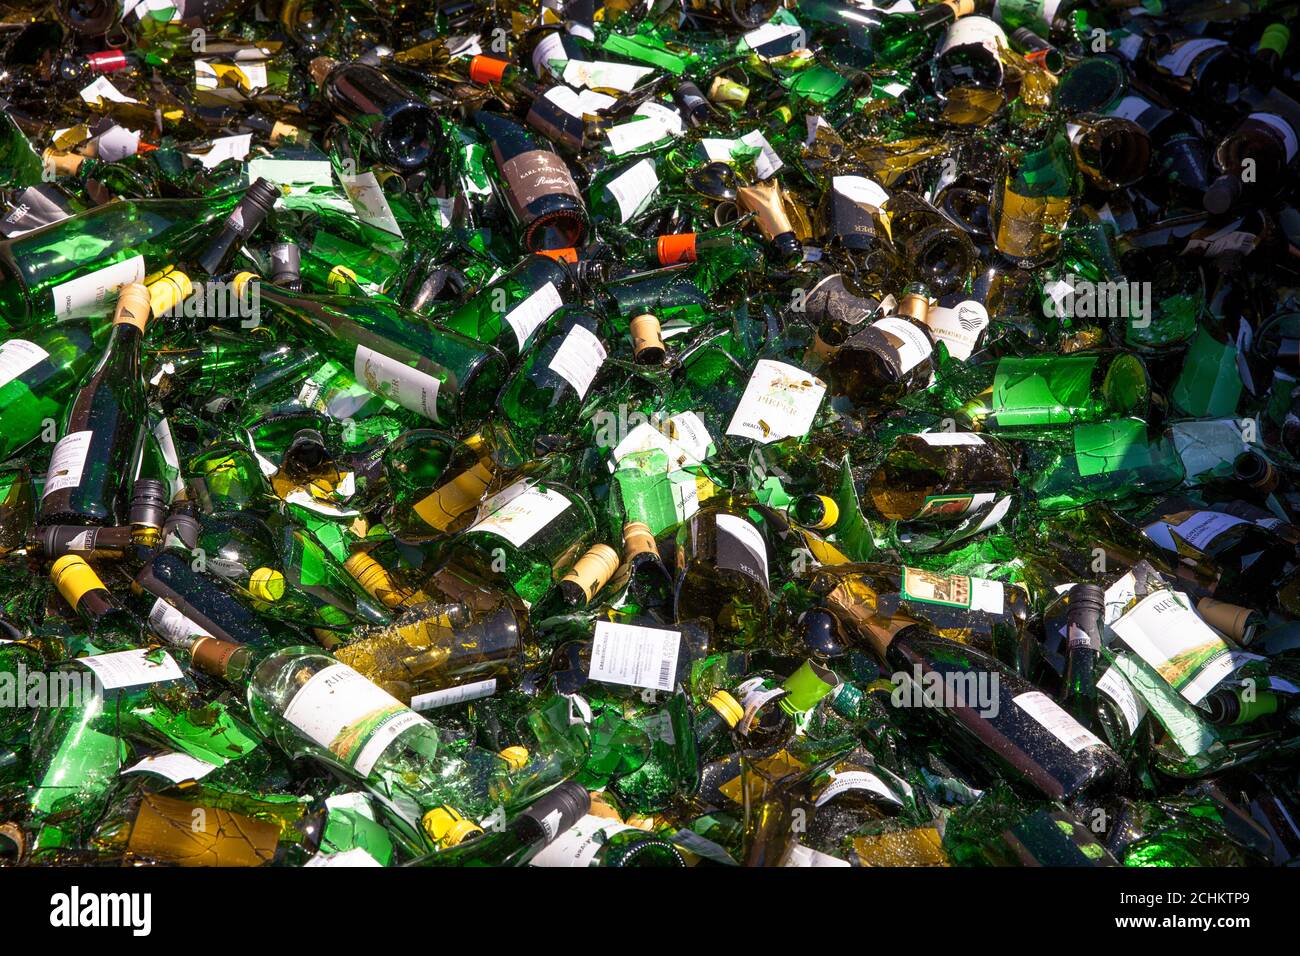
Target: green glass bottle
[722, 572]
[103, 429]
[509, 311]
[1106, 461]
[37, 374]
[527, 536]
[1032, 202]
[396, 354]
[73, 267]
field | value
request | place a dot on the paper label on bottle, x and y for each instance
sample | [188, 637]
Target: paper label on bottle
[454, 695]
[741, 547]
[67, 462]
[861, 189]
[578, 104]
[578, 359]
[1115, 686]
[950, 438]
[684, 439]
[1179, 60]
[175, 766]
[102, 88]
[17, 356]
[549, 50]
[525, 317]
[954, 590]
[136, 668]
[959, 327]
[605, 75]
[208, 75]
[370, 203]
[767, 162]
[1196, 528]
[780, 401]
[1165, 632]
[1130, 108]
[635, 656]
[350, 716]
[802, 857]
[117, 143]
[88, 294]
[396, 381]
[974, 31]
[633, 188]
[305, 173]
[519, 512]
[1284, 128]
[1056, 721]
[580, 844]
[908, 342]
[172, 625]
[854, 780]
[223, 148]
[1131, 46]
[792, 33]
[654, 123]
[357, 856]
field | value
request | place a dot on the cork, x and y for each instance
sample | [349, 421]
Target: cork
[1231, 619]
[133, 306]
[212, 655]
[60, 163]
[594, 569]
[647, 340]
[961, 8]
[284, 133]
[638, 539]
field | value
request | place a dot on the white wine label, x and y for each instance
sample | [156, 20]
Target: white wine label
[1196, 528]
[686, 495]
[959, 327]
[549, 50]
[208, 76]
[518, 513]
[348, 715]
[17, 356]
[579, 845]
[175, 766]
[304, 173]
[579, 103]
[117, 143]
[103, 89]
[767, 162]
[635, 656]
[1131, 46]
[89, 294]
[224, 148]
[684, 439]
[771, 32]
[741, 547]
[780, 401]
[604, 75]
[1056, 721]
[654, 122]
[909, 342]
[525, 317]
[578, 359]
[687, 430]
[1165, 632]
[1115, 686]
[861, 189]
[132, 668]
[954, 590]
[67, 462]
[357, 856]
[974, 31]
[802, 857]
[370, 203]
[1130, 107]
[396, 381]
[1179, 60]
[855, 780]
[172, 625]
[454, 695]
[633, 188]
[950, 438]
[1285, 129]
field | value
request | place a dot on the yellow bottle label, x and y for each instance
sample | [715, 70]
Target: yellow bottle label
[443, 506]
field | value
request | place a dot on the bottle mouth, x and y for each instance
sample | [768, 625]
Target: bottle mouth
[408, 136]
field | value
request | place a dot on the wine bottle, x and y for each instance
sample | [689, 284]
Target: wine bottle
[508, 312]
[400, 126]
[722, 572]
[1263, 143]
[889, 357]
[104, 428]
[396, 354]
[544, 202]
